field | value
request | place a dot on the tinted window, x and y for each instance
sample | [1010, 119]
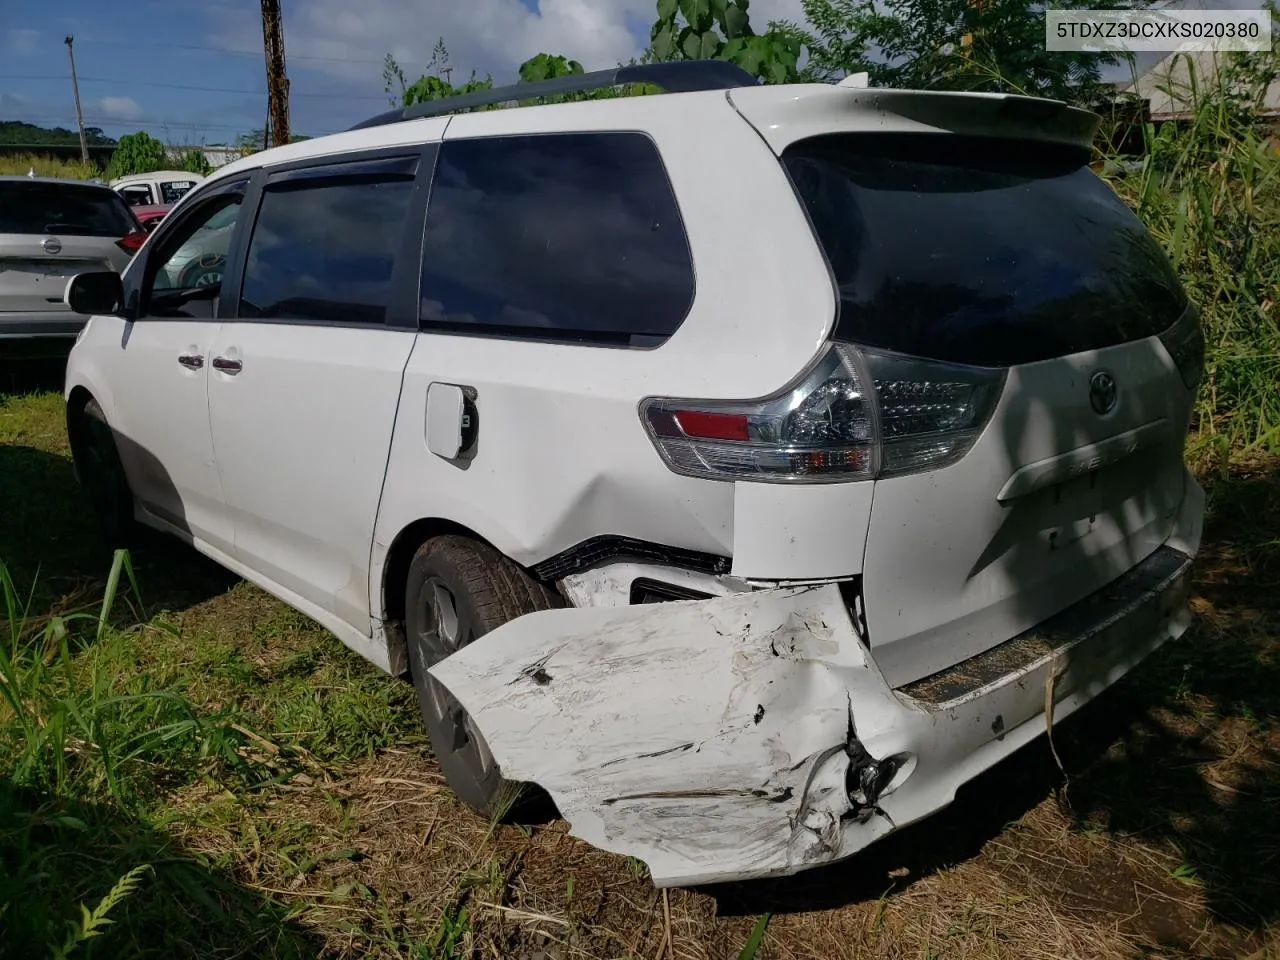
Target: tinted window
[565, 236]
[171, 191]
[67, 209]
[324, 250]
[137, 195]
[982, 253]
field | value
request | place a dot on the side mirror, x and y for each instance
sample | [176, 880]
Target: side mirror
[100, 292]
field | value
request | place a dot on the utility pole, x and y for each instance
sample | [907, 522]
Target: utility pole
[75, 91]
[277, 82]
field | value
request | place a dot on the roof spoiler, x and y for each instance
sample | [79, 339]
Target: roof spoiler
[785, 114]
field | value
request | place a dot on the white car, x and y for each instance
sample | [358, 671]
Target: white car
[745, 466]
[161, 188]
[50, 231]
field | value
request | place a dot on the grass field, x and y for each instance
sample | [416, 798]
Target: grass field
[266, 794]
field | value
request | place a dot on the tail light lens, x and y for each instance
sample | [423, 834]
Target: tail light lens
[130, 243]
[1185, 343]
[855, 415]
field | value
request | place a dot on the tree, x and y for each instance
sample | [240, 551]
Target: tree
[196, 162]
[253, 141]
[721, 30]
[434, 84]
[137, 153]
[990, 45]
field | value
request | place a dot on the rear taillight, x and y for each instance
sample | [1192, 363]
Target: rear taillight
[130, 243]
[1185, 343]
[856, 414]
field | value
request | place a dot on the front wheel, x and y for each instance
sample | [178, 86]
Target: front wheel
[102, 475]
[457, 591]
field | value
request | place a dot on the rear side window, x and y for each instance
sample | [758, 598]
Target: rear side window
[571, 237]
[171, 191]
[67, 209]
[984, 253]
[137, 195]
[324, 249]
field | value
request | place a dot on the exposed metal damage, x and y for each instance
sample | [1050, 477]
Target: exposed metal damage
[750, 759]
[751, 734]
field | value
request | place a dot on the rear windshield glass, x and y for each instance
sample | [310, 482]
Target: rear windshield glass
[986, 253]
[67, 209]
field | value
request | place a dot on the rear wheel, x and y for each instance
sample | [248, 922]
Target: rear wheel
[102, 475]
[457, 591]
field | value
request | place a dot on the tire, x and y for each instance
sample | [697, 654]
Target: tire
[102, 476]
[457, 591]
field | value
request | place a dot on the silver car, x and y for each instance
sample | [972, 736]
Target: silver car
[51, 230]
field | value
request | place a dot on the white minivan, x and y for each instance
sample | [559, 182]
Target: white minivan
[746, 466]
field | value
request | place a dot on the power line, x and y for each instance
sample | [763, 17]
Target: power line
[178, 86]
[238, 53]
[150, 122]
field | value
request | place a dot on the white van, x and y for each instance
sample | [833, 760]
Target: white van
[162, 188]
[747, 466]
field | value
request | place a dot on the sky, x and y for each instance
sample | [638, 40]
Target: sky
[193, 72]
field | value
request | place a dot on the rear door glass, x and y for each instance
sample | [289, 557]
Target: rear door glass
[171, 191]
[573, 237]
[980, 252]
[67, 209]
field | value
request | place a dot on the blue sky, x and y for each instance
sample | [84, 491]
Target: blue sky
[193, 72]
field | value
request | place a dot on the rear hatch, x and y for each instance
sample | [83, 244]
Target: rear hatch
[1007, 259]
[49, 232]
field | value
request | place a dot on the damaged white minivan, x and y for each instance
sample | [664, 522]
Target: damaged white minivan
[748, 467]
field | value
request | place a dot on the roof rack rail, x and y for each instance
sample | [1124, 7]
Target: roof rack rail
[680, 76]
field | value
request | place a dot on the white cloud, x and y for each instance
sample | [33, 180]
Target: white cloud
[118, 108]
[491, 36]
[22, 41]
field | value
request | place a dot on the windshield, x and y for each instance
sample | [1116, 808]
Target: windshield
[68, 209]
[988, 253]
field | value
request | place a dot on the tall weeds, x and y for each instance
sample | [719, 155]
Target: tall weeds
[1209, 190]
[20, 165]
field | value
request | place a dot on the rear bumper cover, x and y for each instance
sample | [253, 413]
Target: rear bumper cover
[752, 735]
[15, 326]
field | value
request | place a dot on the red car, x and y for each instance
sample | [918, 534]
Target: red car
[150, 215]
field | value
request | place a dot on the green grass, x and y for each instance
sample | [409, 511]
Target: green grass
[48, 167]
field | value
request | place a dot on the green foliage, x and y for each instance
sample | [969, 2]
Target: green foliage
[137, 153]
[196, 162]
[30, 135]
[752, 946]
[721, 30]
[1209, 190]
[434, 84]
[995, 46]
[546, 66]
[21, 164]
[92, 923]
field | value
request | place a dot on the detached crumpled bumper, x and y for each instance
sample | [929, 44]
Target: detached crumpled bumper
[752, 735]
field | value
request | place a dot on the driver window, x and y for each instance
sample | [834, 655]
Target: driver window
[186, 271]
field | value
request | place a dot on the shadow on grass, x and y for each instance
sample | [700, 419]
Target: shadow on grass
[1183, 755]
[48, 539]
[37, 374]
[57, 855]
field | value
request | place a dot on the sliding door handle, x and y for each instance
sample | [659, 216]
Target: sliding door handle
[227, 365]
[191, 361]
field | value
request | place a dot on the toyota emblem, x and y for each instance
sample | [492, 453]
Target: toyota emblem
[52, 245]
[1102, 393]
